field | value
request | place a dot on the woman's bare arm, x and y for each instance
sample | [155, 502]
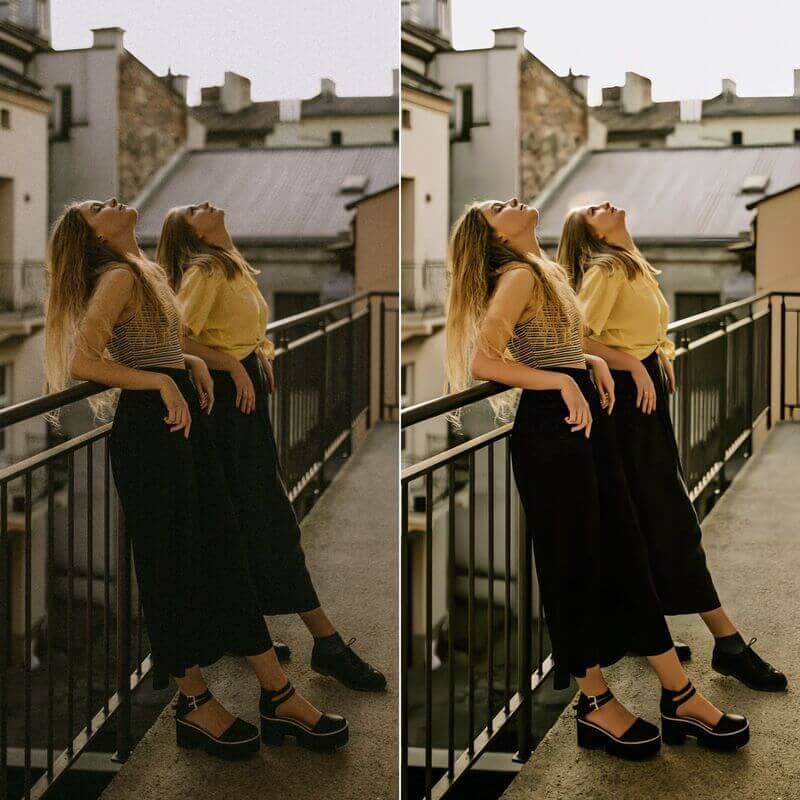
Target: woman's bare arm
[215, 359]
[613, 356]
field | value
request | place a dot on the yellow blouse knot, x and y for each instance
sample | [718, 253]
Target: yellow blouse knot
[228, 315]
[631, 315]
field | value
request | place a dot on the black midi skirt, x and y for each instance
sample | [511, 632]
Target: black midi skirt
[249, 457]
[590, 557]
[197, 598]
[656, 481]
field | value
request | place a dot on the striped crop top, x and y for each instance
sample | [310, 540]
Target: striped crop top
[538, 343]
[140, 341]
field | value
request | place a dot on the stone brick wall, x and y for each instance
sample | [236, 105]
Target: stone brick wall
[152, 125]
[553, 124]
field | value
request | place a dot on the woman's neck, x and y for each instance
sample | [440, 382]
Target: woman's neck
[126, 245]
[527, 243]
[220, 239]
[621, 238]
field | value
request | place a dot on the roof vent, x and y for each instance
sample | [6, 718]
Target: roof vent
[354, 184]
[755, 184]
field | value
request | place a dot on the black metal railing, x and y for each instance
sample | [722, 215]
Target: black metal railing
[73, 645]
[467, 584]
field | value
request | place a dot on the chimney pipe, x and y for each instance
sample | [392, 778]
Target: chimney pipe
[108, 37]
[797, 83]
[728, 87]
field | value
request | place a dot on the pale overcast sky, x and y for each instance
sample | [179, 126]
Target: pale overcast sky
[684, 46]
[283, 47]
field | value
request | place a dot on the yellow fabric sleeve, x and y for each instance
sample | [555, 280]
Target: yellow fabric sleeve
[196, 297]
[599, 291]
[267, 348]
[668, 348]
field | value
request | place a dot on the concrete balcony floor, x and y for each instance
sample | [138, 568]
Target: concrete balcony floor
[751, 540]
[350, 540]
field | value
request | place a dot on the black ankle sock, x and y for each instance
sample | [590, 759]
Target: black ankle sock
[730, 645]
[329, 645]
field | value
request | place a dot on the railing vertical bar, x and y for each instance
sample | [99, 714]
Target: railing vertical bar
[50, 590]
[382, 390]
[507, 598]
[783, 357]
[322, 400]
[106, 575]
[5, 637]
[70, 600]
[769, 360]
[406, 624]
[524, 624]
[89, 583]
[428, 633]
[451, 616]
[724, 393]
[490, 609]
[369, 361]
[471, 610]
[28, 632]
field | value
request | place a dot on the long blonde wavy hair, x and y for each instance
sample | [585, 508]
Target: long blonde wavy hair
[180, 248]
[580, 249]
[76, 257]
[476, 260]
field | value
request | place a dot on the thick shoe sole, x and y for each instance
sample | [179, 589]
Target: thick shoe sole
[274, 731]
[592, 737]
[675, 731]
[749, 684]
[349, 684]
[190, 738]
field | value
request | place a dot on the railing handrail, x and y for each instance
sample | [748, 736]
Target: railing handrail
[28, 409]
[429, 409]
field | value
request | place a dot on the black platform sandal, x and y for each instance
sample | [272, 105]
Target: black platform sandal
[730, 732]
[641, 740]
[240, 740]
[330, 732]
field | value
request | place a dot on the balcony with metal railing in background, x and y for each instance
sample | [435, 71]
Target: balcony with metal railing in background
[423, 295]
[23, 289]
[74, 653]
[479, 716]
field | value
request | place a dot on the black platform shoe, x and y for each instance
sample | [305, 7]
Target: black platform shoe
[641, 740]
[748, 667]
[240, 740]
[347, 667]
[330, 732]
[683, 650]
[730, 732]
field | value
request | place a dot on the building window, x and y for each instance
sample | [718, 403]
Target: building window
[406, 118]
[336, 138]
[4, 399]
[5, 118]
[64, 123]
[797, 135]
[395, 135]
[736, 138]
[465, 120]
[687, 304]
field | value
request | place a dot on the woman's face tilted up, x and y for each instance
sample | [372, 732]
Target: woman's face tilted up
[604, 219]
[108, 218]
[205, 220]
[509, 218]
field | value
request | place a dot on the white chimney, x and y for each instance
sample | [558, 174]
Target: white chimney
[797, 83]
[509, 37]
[180, 83]
[691, 110]
[235, 93]
[395, 82]
[580, 83]
[728, 87]
[636, 93]
[327, 87]
[289, 110]
[108, 37]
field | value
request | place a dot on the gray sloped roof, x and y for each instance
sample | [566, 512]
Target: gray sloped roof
[672, 195]
[657, 117]
[333, 105]
[280, 194]
[735, 106]
[259, 117]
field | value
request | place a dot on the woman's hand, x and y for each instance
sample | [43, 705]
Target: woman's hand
[669, 370]
[645, 389]
[245, 391]
[268, 371]
[580, 416]
[604, 381]
[178, 415]
[203, 381]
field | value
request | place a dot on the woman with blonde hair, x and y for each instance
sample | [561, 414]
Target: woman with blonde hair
[512, 318]
[626, 315]
[225, 316]
[112, 318]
